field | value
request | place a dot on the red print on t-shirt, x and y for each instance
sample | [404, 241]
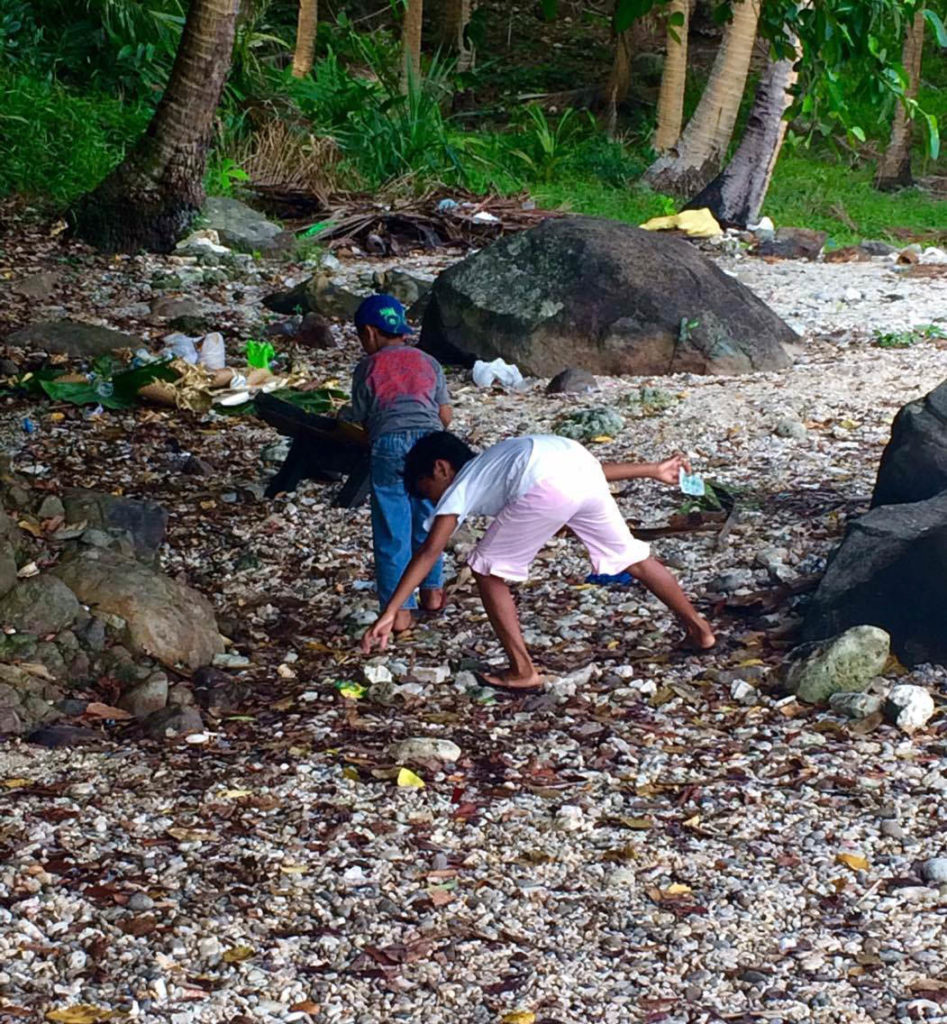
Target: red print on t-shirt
[400, 373]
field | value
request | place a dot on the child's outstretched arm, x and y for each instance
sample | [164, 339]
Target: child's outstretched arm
[414, 574]
[666, 472]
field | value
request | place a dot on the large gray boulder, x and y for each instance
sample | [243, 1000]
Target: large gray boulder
[242, 228]
[72, 338]
[602, 296]
[914, 463]
[890, 571]
[165, 620]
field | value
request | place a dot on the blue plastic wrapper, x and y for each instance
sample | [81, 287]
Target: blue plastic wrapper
[29, 426]
[602, 579]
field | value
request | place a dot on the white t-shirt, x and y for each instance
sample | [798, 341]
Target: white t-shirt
[507, 470]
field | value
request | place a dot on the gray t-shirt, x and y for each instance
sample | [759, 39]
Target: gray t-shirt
[398, 388]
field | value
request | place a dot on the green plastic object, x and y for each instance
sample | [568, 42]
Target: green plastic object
[260, 354]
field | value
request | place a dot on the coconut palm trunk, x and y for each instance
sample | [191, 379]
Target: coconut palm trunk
[155, 192]
[894, 169]
[735, 196]
[306, 25]
[699, 153]
[411, 42]
[454, 32]
[670, 114]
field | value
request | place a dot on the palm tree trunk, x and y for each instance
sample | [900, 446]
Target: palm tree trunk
[673, 80]
[894, 168]
[699, 152]
[149, 200]
[306, 26]
[735, 196]
[411, 42]
[454, 32]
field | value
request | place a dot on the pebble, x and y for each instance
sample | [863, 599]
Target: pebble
[892, 829]
[139, 901]
[935, 870]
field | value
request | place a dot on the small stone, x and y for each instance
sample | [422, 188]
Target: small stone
[424, 748]
[172, 722]
[147, 697]
[139, 901]
[51, 508]
[909, 707]
[892, 829]
[376, 674]
[569, 818]
[743, 693]
[791, 429]
[209, 947]
[935, 870]
[856, 706]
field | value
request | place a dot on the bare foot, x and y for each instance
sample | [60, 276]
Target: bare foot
[700, 636]
[507, 680]
[404, 620]
[433, 599]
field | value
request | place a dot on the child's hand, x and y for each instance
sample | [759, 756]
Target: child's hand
[669, 471]
[379, 633]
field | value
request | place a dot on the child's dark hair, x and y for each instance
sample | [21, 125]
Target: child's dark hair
[419, 462]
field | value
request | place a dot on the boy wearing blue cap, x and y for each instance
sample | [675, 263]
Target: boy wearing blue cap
[400, 394]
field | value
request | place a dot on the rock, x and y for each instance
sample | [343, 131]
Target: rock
[50, 657]
[603, 296]
[194, 466]
[38, 286]
[587, 424]
[791, 429]
[856, 706]
[25, 700]
[41, 604]
[376, 674]
[333, 297]
[569, 818]
[181, 695]
[424, 748]
[873, 247]
[728, 582]
[143, 522]
[892, 829]
[8, 568]
[217, 691]
[8, 368]
[61, 735]
[572, 381]
[146, 697]
[168, 307]
[432, 674]
[51, 507]
[243, 229]
[914, 462]
[909, 707]
[295, 301]
[793, 244]
[935, 870]
[72, 338]
[407, 286]
[742, 692]
[847, 662]
[165, 619]
[172, 722]
[315, 333]
[890, 570]
[139, 902]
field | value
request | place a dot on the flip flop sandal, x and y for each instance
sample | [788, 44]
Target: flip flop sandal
[512, 691]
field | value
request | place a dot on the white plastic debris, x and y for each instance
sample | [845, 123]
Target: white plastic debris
[484, 374]
[213, 352]
[180, 346]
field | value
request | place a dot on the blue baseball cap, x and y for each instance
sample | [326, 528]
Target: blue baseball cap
[384, 312]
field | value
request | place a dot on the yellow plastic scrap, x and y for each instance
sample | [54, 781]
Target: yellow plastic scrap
[694, 223]
[408, 780]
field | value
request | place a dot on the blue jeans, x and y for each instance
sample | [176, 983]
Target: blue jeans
[397, 518]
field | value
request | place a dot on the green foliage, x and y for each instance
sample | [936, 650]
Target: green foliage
[908, 337]
[106, 386]
[543, 146]
[58, 144]
[223, 175]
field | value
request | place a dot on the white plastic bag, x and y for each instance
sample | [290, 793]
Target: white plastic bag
[180, 346]
[213, 352]
[484, 374]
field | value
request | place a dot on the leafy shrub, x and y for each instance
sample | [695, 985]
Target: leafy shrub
[58, 144]
[909, 337]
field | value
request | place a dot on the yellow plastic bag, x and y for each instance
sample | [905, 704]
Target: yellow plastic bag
[694, 223]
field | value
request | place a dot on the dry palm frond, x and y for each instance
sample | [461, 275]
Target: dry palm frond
[280, 155]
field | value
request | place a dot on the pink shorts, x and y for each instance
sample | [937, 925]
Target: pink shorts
[516, 535]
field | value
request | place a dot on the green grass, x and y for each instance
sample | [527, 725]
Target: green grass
[58, 144]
